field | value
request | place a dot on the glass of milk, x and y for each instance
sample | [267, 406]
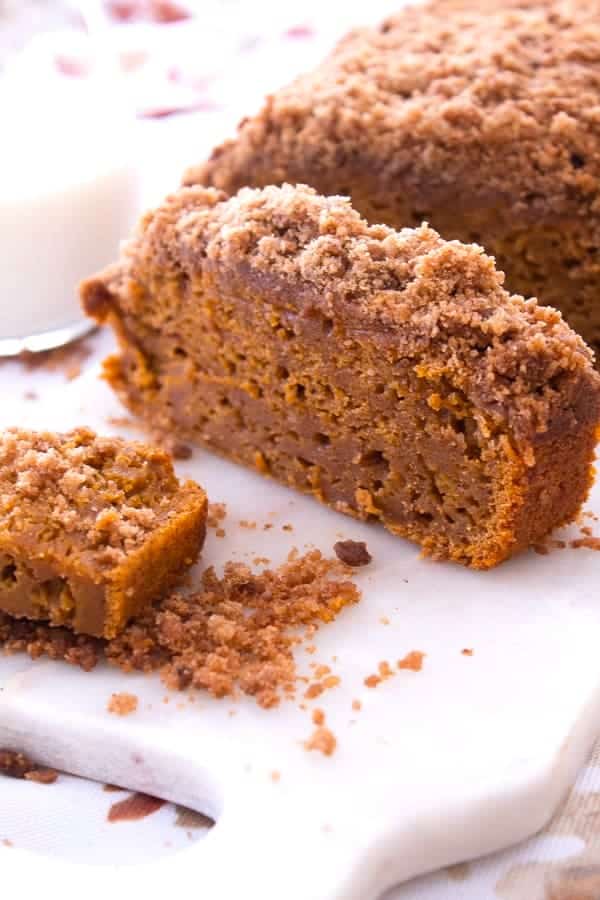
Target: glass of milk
[68, 196]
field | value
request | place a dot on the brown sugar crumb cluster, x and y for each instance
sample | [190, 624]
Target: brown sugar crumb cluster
[352, 553]
[122, 704]
[17, 765]
[237, 633]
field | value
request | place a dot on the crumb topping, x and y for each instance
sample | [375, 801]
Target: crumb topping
[323, 740]
[99, 496]
[437, 304]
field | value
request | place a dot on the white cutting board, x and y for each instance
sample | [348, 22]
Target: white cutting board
[460, 759]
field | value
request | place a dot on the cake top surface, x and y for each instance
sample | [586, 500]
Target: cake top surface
[433, 302]
[76, 493]
[504, 96]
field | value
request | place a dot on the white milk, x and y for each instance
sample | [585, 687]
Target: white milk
[68, 195]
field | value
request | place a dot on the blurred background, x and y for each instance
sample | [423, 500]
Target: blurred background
[185, 71]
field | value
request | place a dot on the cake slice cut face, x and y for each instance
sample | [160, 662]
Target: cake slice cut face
[389, 374]
[91, 529]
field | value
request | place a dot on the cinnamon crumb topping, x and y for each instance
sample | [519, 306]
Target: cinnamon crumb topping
[352, 553]
[17, 765]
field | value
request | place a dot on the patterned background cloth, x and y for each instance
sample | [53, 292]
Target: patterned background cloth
[188, 71]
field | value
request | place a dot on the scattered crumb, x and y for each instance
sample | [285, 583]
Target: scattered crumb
[311, 648]
[384, 620]
[371, 681]
[385, 669]
[412, 661]
[323, 740]
[179, 450]
[67, 360]
[459, 872]
[134, 808]
[352, 553]
[112, 788]
[318, 717]
[287, 527]
[121, 422]
[275, 776]
[6, 842]
[17, 765]
[261, 560]
[237, 633]
[122, 704]
[589, 543]
[244, 523]
[30, 395]
[321, 670]
[467, 651]
[216, 514]
[313, 691]
[356, 705]
[220, 533]
[267, 526]
[42, 776]
[189, 818]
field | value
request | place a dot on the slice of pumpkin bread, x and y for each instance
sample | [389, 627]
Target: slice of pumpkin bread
[387, 373]
[92, 529]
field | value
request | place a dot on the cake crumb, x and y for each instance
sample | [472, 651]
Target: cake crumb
[589, 543]
[384, 620]
[216, 514]
[356, 705]
[122, 704]
[261, 560]
[412, 661]
[371, 681]
[311, 648]
[30, 395]
[385, 670]
[352, 553]
[323, 740]
[267, 526]
[42, 776]
[6, 842]
[287, 527]
[318, 717]
[275, 775]
[121, 422]
[18, 765]
[220, 533]
[467, 651]
[244, 523]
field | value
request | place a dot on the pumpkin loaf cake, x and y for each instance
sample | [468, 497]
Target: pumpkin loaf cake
[91, 529]
[480, 118]
[387, 373]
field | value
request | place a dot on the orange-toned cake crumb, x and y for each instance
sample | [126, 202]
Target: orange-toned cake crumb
[318, 717]
[18, 765]
[412, 661]
[323, 740]
[122, 704]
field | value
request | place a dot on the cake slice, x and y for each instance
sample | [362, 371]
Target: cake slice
[387, 373]
[91, 529]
